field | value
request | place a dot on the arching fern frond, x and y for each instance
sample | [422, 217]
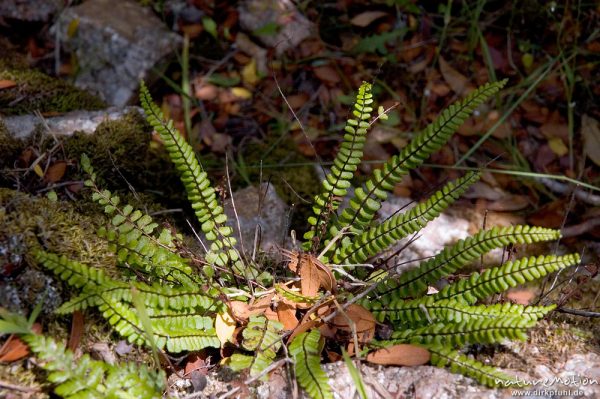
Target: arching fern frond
[84, 377]
[458, 363]
[181, 317]
[346, 162]
[305, 350]
[367, 201]
[414, 282]
[262, 337]
[379, 238]
[425, 310]
[501, 278]
[201, 194]
[472, 331]
[132, 237]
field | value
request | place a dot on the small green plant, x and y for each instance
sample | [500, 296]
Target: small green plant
[84, 377]
[194, 305]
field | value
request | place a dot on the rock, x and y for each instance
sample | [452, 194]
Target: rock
[293, 26]
[23, 126]
[27, 289]
[116, 42]
[444, 230]
[254, 207]
[29, 10]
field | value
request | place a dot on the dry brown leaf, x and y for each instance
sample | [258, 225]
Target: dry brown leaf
[363, 319]
[7, 84]
[224, 326]
[293, 258]
[55, 172]
[522, 297]
[310, 280]
[552, 130]
[240, 310]
[260, 305]
[590, 130]
[327, 74]
[400, 355]
[13, 349]
[287, 315]
[195, 362]
[205, 91]
[303, 327]
[509, 203]
[76, 330]
[366, 18]
[297, 100]
[456, 80]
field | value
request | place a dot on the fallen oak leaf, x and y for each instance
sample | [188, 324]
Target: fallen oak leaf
[400, 355]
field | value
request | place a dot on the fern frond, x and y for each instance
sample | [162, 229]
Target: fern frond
[378, 238]
[132, 237]
[459, 363]
[201, 194]
[346, 162]
[367, 201]
[74, 273]
[126, 322]
[487, 331]
[262, 337]
[414, 282]
[305, 350]
[84, 377]
[422, 311]
[501, 278]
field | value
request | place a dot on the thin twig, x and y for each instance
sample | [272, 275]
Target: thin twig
[19, 388]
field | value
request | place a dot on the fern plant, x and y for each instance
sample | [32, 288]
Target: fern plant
[84, 377]
[188, 303]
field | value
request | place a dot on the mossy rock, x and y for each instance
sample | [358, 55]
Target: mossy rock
[36, 91]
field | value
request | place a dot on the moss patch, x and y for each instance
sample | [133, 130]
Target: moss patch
[35, 90]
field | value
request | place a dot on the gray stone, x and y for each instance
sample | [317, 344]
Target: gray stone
[23, 126]
[117, 42]
[29, 10]
[261, 207]
[293, 26]
[444, 230]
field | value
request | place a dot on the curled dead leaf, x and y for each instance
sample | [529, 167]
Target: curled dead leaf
[400, 355]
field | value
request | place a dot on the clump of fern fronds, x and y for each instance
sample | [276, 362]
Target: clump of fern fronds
[191, 307]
